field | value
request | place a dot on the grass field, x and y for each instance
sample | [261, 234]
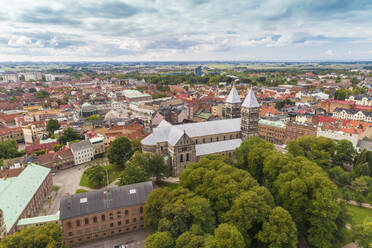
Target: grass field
[113, 174]
[78, 191]
[359, 214]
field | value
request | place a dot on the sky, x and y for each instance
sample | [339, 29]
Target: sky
[185, 30]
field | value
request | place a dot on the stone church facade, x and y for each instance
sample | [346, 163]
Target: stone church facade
[185, 143]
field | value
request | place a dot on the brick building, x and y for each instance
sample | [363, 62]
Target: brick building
[60, 160]
[103, 213]
[23, 196]
[295, 130]
[272, 130]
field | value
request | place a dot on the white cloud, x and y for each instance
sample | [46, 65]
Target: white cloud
[329, 52]
[196, 30]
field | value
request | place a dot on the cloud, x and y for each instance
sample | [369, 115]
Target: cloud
[329, 52]
[195, 29]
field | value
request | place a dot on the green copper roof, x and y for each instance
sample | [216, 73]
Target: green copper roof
[39, 219]
[274, 123]
[18, 193]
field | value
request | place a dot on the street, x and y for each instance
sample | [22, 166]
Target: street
[130, 240]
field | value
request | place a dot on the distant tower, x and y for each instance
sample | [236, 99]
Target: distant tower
[198, 71]
[249, 116]
[231, 109]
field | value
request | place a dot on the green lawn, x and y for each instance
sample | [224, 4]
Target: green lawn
[359, 214]
[113, 174]
[169, 185]
[78, 191]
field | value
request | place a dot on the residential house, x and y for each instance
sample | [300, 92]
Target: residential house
[83, 151]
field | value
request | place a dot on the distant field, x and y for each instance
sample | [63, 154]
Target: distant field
[360, 214]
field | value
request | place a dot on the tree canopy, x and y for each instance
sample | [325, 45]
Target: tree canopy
[52, 126]
[68, 135]
[120, 151]
[46, 236]
[263, 199]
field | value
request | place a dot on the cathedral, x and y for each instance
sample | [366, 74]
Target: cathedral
[185, 143]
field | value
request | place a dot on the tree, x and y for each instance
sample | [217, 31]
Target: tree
[96, 175]
[136, 145]
[120, 151]
[227, 236]
[52, 126]
[133, 174]
[160, 240]
[42, 94]
[251, 154]
[249, 211]
[190, 240]
[68, 135]
[283, 103]
[279, 231]
[154, 205]
[57, 147]
[156, 167]
[363, 234]
[345, 153]
[93, 118]
[32, 90]
[342, 94]
[46, 236]
[9, 149]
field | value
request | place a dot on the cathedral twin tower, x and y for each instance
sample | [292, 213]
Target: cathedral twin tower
[248, 112]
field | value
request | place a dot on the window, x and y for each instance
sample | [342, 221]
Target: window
[87, 230]
[111, 216]
[95, 229]
[203, 140]
[69, 225]
[134, 220]
[86, 220]
[218, 139]
[78, 223]
[70, 234]
[119, 223]
[181, 158]
[187, 157]
[134, 211]
[103, 217]
[141, 218]
[126, 212]
[119, 214]
[141, 210]
[111, 225]
[211, 139]
[95, 219]
[126, 221]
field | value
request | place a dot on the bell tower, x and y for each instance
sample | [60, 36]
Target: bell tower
[231, 108]
[249, 116]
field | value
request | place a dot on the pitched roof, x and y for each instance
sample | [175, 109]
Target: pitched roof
[170, 133]
[17, 193]
[96, 201]
[217, 147]
[81, 145]
[233, 96]
[250, 100]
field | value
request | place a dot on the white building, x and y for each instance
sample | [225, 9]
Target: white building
[83, 151]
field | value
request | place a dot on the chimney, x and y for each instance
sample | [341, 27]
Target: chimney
[105, 195]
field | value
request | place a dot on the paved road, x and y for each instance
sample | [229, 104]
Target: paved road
[68, 180]
[130, 240]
